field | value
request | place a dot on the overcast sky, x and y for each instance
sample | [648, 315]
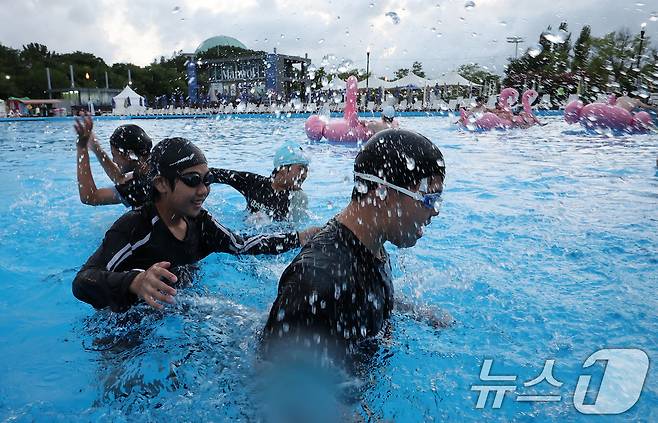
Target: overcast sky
[442, 34]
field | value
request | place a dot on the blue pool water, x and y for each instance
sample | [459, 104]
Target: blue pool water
[546, 248]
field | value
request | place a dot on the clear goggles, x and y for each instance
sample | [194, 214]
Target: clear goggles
[431, 201]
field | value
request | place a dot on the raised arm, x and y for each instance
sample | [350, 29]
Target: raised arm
[89, 193]
[111, 169]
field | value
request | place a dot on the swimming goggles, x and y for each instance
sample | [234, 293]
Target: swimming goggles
[193, 179]
[431, 201]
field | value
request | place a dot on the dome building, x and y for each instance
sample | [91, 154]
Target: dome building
[233, 71]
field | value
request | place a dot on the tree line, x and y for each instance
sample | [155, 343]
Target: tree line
[619, 61]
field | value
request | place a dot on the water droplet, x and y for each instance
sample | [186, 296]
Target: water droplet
[285, 327]
[372, 4]
[381, 192]
[321, 40]
[176, 9]
[411, 163]
[283, 36]
[280, 315]
[502, 23]
[433, 29]
[394, 17]
[337, 291]
[535, 50]
[361, 187]
[639, 4]
[363, 331]
[558, 37]
[469, 5]
[653, 17]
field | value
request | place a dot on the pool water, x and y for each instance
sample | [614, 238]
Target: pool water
[546, 248]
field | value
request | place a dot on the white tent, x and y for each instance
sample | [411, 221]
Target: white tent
[411, 80]
[3, 109]
[374, 83]
[452, 78]
[128, 102]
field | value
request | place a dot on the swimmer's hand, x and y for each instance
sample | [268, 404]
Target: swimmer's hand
[308, 233]
[149, 286]
[431, 315]
[84, 127]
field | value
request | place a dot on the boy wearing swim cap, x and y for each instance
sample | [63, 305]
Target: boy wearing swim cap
[280, 195]
[338, 290]
[138, 257]
[387, 122]
[127, 173]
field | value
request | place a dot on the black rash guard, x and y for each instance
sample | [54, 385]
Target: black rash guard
[334, 294]
[139, 239]
[135, 192]
[258, 192]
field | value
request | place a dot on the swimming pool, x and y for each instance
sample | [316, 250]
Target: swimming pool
[546, 248]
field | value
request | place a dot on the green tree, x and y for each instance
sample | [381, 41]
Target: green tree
[401, 73]
[581, 50]
[417, 69]
[477, 74]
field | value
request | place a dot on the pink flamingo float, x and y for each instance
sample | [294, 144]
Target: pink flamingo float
[503, 119]
[607, 116]
[349, 128]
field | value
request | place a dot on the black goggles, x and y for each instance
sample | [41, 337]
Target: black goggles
[194, 179]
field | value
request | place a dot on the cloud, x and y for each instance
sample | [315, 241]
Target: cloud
[442, 34]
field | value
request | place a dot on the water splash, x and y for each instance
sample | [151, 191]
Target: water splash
[394, 17]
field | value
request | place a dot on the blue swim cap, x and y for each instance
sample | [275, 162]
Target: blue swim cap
[288, 154]
[388, 112]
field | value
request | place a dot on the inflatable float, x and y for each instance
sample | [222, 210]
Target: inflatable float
[607, 116]
[505, 119]
[347, 129]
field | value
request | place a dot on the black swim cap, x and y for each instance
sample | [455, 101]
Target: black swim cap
[172, 155]
[132, 138]
[400, 157]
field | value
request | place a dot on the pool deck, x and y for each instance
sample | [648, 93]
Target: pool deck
[250, 116]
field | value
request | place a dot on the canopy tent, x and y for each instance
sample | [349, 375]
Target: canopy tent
[452, 78]
[410, 81]
[374, 83]
[128, 102]
[3, 109]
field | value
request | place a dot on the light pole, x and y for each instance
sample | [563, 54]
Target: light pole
[367, 72]
[639, 52]
[515, 41]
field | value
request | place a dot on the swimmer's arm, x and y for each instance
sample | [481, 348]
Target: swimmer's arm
[111, 169]
[431, 315]
[243, 182]
[87, 190]
[217, 238]
[643, 105]
[96, 285]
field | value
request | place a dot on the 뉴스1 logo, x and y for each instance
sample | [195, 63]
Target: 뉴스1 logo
[621, 386]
